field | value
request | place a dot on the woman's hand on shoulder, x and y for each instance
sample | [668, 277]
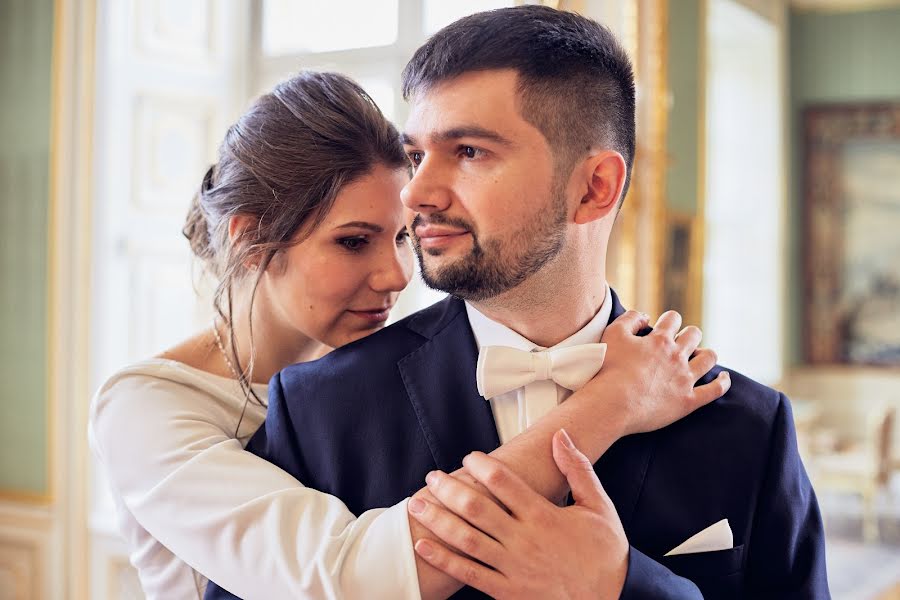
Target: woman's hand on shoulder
[648, 382]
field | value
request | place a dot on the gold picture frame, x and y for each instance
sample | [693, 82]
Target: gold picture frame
[681, 285]
[851, 202]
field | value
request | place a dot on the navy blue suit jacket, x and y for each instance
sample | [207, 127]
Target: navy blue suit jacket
[368, 421]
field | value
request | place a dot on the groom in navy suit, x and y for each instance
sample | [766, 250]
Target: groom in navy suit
[521, 136]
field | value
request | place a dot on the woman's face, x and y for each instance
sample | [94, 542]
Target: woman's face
[339, 284]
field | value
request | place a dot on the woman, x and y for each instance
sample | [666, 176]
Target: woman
[301, 223]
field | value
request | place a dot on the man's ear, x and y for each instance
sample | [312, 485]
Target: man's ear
[240, 226]
[605, 173]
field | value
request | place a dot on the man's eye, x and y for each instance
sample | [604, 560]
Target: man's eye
[470, 152]
[415, 158]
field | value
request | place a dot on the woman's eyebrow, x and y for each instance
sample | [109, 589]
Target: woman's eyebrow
[361, 225]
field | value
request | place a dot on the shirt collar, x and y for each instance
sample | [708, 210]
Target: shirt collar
[491, 333]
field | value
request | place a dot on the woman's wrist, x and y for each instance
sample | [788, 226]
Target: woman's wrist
[596, 419]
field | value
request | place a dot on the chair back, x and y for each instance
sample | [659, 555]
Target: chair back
[884, 444]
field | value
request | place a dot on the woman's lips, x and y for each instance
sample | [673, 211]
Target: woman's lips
[377, 315]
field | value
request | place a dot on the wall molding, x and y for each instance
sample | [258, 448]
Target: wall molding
[26, 541]
[20, 575]
[841, 6]
[71, 161]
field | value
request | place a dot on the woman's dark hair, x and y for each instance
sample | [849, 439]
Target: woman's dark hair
[282, 164]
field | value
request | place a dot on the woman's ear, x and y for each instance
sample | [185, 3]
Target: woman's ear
[605, 172]
[239, 226]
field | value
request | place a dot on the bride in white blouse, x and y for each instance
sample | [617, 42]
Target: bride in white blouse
[300, 222]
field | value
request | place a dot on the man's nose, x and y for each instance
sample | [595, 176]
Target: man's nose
[427, 191]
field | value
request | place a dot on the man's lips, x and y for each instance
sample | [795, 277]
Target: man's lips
[433, 236]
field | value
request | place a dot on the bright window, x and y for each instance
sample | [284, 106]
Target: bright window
[290, 27]
[439, 13]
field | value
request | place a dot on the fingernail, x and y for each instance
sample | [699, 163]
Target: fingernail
[424, 548]
[432, 478]
[566, 440]
[416, 506]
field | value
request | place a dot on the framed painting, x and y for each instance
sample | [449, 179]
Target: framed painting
[851, 308]
[681, 282]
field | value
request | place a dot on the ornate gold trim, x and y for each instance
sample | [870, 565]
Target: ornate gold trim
[698, 243]
[622, 251]
[636, 246]
[841, 6]
[648, 226]
[827, 129]
[56, 139]
[71, 236]
[22, 497]
[690, 301]
[660, 113]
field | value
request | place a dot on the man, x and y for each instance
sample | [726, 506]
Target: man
[521, 135]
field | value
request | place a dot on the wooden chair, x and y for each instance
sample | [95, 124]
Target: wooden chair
[862, 468]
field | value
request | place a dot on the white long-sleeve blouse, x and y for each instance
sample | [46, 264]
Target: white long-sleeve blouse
[192, 504]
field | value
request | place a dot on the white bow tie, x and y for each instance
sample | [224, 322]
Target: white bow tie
[502, 369]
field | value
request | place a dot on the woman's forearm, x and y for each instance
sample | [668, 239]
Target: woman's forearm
[529, 456]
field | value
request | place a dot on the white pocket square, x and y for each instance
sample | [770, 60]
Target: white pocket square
[715, 537]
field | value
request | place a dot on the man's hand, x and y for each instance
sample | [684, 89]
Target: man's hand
[652, 377]
[533, 549]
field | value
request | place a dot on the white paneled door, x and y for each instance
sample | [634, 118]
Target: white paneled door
[171, 77]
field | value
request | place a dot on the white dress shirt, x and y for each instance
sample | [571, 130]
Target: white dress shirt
[189, 497]
[515, 411]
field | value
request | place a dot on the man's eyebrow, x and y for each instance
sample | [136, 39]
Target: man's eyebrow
[470, 131]
[455, 133]
[361, 225]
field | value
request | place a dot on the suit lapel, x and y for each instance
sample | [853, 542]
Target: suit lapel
[440, 380]
[623, 468]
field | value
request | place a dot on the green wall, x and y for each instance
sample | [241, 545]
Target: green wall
[842, 57]
[685, 31]
[26, 35]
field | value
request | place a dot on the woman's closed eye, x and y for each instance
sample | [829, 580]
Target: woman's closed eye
[354, 243]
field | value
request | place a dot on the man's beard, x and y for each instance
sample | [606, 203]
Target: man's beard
[495, 266]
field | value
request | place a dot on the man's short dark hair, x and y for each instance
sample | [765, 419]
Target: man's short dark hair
[576, 84]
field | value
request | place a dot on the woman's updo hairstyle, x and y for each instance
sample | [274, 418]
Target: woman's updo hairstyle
[282, 164]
